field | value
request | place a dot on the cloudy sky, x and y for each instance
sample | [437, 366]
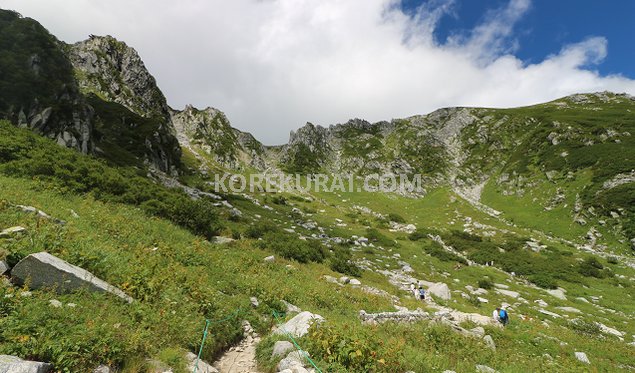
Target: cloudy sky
[273, 65]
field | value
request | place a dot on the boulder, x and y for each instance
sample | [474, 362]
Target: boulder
[355, 282]
[581, 356]
[291, 308]
[484, 369]
[102, 369]
[558, 293]
[222, 240]
[299, 325]
[489, 342]
[43, 270]
[569, 309]
[270, 259]
[440, 290]
[294, 362]
[13, 364]
[609, 330]
[254, 302]
[10, 232]
[509, 293]
[4, 267]
[345, 280]
[478, 331]
[203, 367]
[548, 313]
[281, 348]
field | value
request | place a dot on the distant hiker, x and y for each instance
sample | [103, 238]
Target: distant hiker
[413, 289]
[503, 317]
[422, 293]
[496, 314]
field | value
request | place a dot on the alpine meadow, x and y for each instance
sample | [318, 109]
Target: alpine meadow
[121, 252]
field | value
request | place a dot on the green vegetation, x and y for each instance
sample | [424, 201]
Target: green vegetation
[27, 155]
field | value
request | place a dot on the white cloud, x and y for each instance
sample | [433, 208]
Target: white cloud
[272, 65]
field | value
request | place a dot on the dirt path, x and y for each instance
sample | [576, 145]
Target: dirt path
[242, 357]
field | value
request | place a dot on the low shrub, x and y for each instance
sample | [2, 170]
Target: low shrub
[341, 262]
[396, 218]
[436, 250]
[485, 283]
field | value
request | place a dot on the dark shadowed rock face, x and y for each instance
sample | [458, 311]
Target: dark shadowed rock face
[37, 85]
[43, 270]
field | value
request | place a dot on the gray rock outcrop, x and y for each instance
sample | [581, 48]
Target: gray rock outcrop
[13, 364]
[299, 325]
[280, 348]
[43, 270]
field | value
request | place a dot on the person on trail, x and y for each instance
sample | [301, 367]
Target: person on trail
[503, 317]
[413, 289]
[422, 293]
[496, 314]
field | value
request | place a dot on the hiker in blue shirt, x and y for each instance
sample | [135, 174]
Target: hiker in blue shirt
[422, 293]
[503, 317]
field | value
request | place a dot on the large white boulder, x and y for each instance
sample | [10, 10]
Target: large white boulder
[299, 325]
[43, 270]
[558, 293]
[13, 364]
[282, 348]
[202, 367]
[581, 356]
[440, 290]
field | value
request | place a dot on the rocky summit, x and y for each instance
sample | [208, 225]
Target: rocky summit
[119, 252]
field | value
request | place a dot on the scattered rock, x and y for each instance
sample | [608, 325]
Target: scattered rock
[581, 356]
[299, 325]
[345, 280]
[294, 362]
[489, 342]
[509, 293]
[281, 348]
[203, 367]
[478, 331]
[569, 309]
[355, 281]
[45, 270]
[549, 313]
[55, 303]
[440, 290]
[102, 369]
[10, 232]
[558, 293]
[608, 330]
[270, 259]
[254, 302]
[399, 316]
[13, 364]
[501, 286]
[291, 308]
[485, 369]
[4, 267]
[220, 240]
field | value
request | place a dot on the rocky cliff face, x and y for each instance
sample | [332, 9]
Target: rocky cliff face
[37, 87]
[115, 72]
[109, 70]
[208, 132]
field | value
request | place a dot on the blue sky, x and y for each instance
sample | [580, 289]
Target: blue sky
[549, 24]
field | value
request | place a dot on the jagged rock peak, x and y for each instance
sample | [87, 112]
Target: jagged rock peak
[114, 71]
